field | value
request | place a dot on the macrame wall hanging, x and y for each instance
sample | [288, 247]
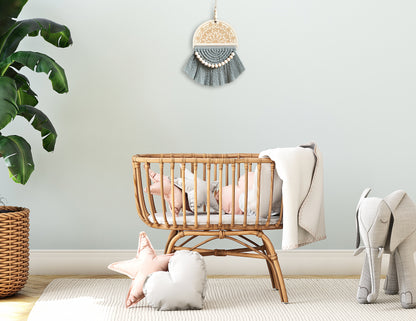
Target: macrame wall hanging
[214, 61]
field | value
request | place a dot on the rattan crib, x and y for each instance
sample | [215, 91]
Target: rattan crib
[226, 169]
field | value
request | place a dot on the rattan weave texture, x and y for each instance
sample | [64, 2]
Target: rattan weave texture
[14, 249]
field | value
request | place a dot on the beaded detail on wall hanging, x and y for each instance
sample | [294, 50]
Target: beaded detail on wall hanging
[214, 61]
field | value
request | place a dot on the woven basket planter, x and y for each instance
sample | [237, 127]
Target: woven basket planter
[14, 249]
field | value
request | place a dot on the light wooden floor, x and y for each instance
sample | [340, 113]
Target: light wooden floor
[18, 306]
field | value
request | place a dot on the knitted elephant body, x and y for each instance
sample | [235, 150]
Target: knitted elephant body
[387, 225]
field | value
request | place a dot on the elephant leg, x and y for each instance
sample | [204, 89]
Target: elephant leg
[374, 264]
[406, 272]
[391, 284]
[364, 287]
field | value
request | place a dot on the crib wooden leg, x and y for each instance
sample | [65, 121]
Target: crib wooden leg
[273, 279]
[275, 267]
[171, 236]
[272, 276]
[283, 293]
[172, 241]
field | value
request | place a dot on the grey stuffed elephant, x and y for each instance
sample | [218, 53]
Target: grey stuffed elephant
[387, 225]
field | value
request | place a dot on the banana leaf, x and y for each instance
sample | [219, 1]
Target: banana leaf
[40, 122]
[56, 34]
[25, 95]
[9, 9]
[17, 155]
[40, 63]
[8, 96]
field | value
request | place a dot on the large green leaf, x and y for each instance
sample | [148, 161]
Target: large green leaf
[25, 95]
[9, 9]
[56, 34]
[40, 63]
[8, 96]
[17, 155]
[40, 122]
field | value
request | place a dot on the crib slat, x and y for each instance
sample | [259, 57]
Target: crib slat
[204, 177]
[280, 214]
[139, 191]
[195, 195]
[183, 194]
[220, 196]
[233, 193]
[215, 171]
[245, 194]
[208, 193]
[226, 174]
[258, 194]
[172, 186]
[269, 215]
[151, 200]
[163, 193]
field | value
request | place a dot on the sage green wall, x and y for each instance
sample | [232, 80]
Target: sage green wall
[341, 73]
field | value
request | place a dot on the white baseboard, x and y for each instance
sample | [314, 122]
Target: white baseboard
[297, 262]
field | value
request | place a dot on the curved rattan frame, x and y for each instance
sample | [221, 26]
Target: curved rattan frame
[212, 168]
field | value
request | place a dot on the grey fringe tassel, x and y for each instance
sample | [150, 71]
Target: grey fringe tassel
[218, 76]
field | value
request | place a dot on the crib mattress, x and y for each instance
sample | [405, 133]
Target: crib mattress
[214, 219]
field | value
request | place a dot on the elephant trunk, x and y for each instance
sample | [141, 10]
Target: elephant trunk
[374, 262]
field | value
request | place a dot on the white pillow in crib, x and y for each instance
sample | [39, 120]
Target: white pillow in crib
[265, 183]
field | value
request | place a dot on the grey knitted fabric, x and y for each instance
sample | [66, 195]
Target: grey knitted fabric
[406, 272]
[366, 293]
[201, 189]
[391, 285]
[214, 76]
[364, 287]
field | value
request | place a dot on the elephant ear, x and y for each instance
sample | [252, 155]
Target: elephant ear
[364, 194]
[404, 213]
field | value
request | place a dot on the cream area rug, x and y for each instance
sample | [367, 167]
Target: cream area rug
[226, 299]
